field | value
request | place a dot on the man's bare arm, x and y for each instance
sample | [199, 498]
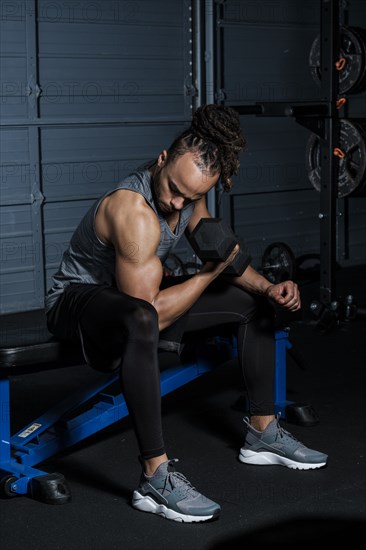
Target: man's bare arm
[286, 294]
[134, 231]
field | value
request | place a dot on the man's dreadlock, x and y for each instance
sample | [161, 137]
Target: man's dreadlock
[215, 139]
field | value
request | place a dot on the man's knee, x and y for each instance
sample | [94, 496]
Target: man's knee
[143, 323]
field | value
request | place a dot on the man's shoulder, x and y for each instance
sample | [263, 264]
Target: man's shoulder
[127, 201]
[129, 206]
[125, 216]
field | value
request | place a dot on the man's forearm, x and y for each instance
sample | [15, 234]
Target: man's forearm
[251, 280]
[171, 303]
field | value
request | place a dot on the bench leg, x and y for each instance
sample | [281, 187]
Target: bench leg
[282, 345]
[4, 421]
[296, 413]
[14, 477]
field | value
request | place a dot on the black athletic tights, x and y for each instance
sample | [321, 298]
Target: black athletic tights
[115, 326]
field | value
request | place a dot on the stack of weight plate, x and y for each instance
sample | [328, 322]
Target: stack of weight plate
[352, 146]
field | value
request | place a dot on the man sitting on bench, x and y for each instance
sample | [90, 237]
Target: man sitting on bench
[109, 291]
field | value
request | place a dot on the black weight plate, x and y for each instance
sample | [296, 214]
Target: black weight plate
[352, 78]
[278, 263]
[352, 168]
[360, 85]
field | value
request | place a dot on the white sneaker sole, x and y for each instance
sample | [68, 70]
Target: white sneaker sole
[147, 504]
[271, 459]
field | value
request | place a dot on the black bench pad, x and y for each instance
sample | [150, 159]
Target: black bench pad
[26, 345]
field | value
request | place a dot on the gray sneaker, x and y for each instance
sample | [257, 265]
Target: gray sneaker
[277, 446]
[170, 495]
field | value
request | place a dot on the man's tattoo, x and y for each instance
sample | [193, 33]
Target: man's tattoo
[130, 252]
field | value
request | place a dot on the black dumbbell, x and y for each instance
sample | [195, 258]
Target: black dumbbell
[214, 240]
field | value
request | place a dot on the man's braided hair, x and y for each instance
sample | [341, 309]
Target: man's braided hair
[215, 138]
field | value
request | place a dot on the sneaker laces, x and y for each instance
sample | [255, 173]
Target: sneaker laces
[281, 432]
[176, 479]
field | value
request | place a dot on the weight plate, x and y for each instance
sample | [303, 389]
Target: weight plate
[352, 77]
[278, 263]
[352, 168]
[360, 86]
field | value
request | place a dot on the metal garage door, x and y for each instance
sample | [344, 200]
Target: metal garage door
[89, 90]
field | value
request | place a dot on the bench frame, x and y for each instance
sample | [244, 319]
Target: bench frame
[51, 433]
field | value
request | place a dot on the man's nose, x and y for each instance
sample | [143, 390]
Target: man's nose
[178, 203]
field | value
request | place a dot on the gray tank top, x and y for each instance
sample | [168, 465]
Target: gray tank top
[88, 260]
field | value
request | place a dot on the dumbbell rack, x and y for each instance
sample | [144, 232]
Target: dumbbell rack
[322, 119]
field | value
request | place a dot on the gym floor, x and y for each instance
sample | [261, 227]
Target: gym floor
[204, 429]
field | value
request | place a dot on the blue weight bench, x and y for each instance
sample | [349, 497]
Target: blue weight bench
[27, 347]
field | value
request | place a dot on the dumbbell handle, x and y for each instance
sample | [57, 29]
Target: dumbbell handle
[239, 264]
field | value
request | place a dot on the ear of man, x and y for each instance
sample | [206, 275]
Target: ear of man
[162, 158]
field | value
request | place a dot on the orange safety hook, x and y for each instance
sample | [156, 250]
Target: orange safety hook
[340, 63]
[339, 153]
[340, 102]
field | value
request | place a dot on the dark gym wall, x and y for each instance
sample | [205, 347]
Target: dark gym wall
[91, 88]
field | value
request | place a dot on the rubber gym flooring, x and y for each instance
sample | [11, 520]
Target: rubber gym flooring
[204, 429]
